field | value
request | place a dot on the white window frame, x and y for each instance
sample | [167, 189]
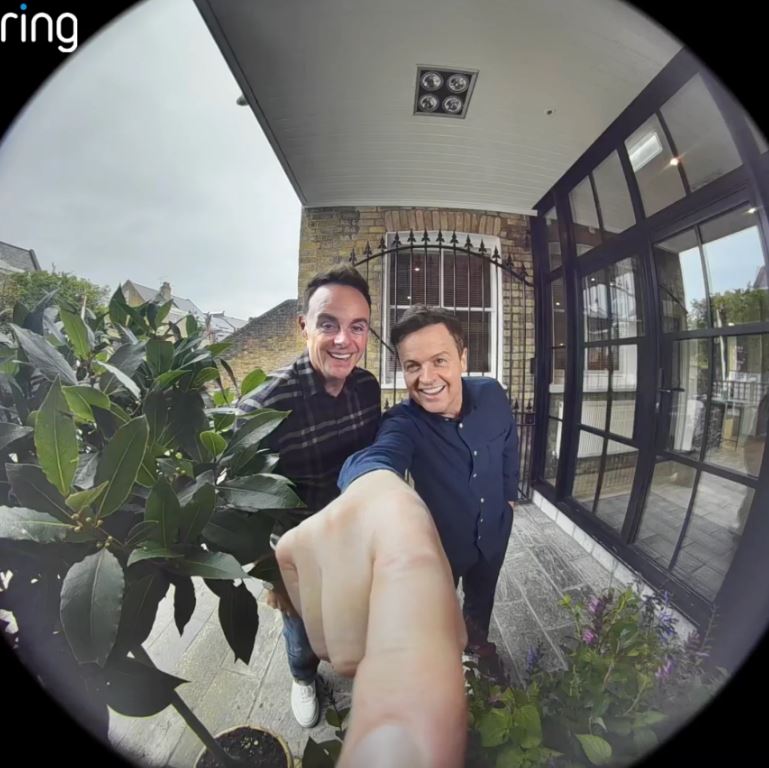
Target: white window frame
[496, 341]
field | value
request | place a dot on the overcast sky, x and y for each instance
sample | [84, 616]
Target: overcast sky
[134, 162]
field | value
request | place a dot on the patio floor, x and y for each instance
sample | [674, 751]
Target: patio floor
[541, 565]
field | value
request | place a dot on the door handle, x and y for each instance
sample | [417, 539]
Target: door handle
[670, 390]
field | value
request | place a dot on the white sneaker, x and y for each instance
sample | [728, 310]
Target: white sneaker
[305, 704]
[470, 662]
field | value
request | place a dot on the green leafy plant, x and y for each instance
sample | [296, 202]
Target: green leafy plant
[122, 477]
[325, 754]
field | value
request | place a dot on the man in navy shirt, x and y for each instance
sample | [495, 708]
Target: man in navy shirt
[457, 438]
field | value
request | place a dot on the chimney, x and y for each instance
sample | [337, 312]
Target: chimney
[165, 292]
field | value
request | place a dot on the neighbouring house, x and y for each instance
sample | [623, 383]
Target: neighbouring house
[218, 325]
[268, 341]
[592, 203]
[15, 259]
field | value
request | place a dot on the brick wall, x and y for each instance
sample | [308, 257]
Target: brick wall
[269, 341]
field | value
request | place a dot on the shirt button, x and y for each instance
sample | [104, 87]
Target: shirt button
[479, 537]
[481, 499]
[475, 474]
[475, 453]
[461, 425]
[481, 519]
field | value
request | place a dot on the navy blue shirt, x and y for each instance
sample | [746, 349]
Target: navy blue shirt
[465, 469]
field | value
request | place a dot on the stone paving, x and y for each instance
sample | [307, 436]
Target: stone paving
[542, 564]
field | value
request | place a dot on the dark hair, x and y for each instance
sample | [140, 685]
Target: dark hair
[339, 274]
[420, 316]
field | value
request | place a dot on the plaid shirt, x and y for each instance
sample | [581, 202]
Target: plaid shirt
[321, 431]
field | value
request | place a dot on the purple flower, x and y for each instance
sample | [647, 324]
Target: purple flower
[666, 626]
[533, 657]
[693, 642]
[664, 672]
[589, 637]
[596, 606]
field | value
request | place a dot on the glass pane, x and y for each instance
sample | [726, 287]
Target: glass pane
[624, 382]
[740, 403]
[476, 325]
[659, 181]
[665, 510]
[455, 276]
[625, 296]
[611, 302]
[391, 358]
[553, 449]
[462, 278]
[617, 483]
[556, 404]
[595, 305]
[737, 278]
[556, 383]
[418, 278]
[559, 366]
[702, 140]
[559, 313]
[401, 274]
[758, 136]
[613, 196]
[586, 473]
[558, 376]
[480, 282]
[553, 239]
[681, 283]
[586, 232]
[595, 386]
[690, 383]
[718, 516]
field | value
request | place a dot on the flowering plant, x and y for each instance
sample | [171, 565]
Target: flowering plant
[629, 681]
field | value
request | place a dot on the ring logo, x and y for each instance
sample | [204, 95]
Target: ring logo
[41, 26]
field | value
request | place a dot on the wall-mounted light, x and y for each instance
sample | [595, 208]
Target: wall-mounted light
[443, 91]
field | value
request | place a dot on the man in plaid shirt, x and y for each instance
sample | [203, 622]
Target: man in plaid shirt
[335, 410]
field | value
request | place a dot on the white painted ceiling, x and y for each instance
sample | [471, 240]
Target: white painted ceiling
[332, 83]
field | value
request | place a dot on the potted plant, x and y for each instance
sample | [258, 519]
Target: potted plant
[122, 477]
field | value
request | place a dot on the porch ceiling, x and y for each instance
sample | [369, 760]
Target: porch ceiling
[332, 85]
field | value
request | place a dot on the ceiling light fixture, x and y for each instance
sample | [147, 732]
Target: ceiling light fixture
[443, 91]
[644, 150]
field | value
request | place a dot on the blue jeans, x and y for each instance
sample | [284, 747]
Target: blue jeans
[302, 660]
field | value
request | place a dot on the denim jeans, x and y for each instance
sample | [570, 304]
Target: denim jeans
[302, 661]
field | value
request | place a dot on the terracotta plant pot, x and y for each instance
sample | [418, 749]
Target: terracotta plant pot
[255, 746]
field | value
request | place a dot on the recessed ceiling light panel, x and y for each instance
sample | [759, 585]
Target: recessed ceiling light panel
[443, 91]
